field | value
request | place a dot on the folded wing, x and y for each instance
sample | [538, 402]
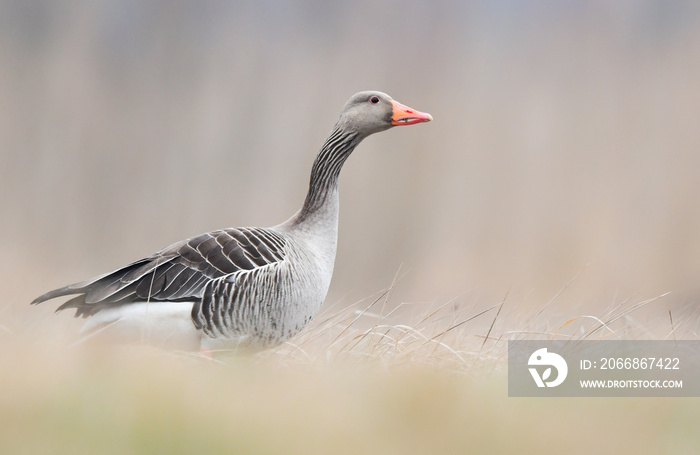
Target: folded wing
[178, 273]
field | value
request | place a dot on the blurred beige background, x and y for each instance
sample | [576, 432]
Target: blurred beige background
[566, 141]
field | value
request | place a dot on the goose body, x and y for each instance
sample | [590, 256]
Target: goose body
[239, 288]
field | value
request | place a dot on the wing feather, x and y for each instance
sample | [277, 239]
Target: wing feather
[179, 272]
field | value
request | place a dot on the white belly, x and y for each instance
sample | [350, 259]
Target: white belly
[165, 324]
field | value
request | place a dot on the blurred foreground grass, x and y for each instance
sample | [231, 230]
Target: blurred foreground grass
[354, 382]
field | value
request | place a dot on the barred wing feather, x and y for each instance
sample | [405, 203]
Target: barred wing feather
[178, 273]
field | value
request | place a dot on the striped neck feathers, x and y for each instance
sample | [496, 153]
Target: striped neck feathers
[326, 168]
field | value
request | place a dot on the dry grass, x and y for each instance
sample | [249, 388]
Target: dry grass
[365, 378]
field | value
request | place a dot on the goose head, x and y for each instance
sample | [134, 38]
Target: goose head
[371, 112]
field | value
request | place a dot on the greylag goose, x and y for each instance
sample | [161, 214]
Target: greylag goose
[239, 288]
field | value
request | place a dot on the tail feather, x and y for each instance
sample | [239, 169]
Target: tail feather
[66, 290]
[82, 309]
[103, 291]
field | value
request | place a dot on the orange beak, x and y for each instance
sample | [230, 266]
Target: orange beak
[404, 115]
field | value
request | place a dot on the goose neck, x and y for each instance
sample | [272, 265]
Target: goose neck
[323, 184]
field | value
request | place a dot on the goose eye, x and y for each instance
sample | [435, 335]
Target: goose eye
[374, 99]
